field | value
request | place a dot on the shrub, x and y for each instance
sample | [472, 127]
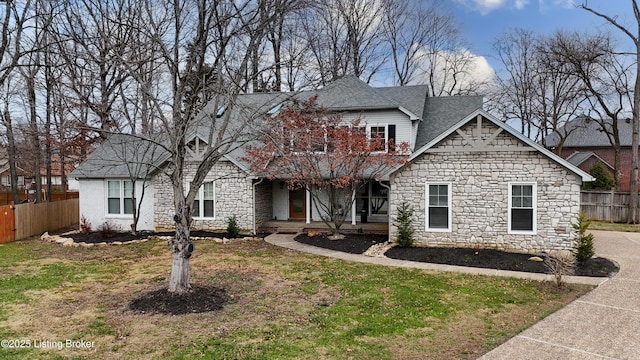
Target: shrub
[604, 179]
[559, 266]
[107, 229]
[404, 223]
[85, 225]
[233, 230]
[583, 246]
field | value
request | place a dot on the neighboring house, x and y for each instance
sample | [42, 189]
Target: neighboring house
[26, 178]
[473, 180]
[586, 143]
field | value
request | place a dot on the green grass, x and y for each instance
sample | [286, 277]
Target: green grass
[607, 226]
[286, 305]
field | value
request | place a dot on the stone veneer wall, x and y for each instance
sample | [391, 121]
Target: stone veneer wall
[264, 202]
[479, 186]
[233, 196]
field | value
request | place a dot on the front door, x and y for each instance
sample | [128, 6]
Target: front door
[297, 204]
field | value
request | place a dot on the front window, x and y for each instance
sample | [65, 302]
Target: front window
[438, 209]
[204, 204]
[119, 197]
[522, 208]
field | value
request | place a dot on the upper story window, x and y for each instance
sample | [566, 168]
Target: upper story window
[274, 110]
[382, 137]
[119, 197]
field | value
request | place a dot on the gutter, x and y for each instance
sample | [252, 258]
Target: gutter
[254, 205]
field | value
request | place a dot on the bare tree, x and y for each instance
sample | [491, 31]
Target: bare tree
[344, 38]
[186, 40]
[15, 17]
[537, 88]
[516, 88]
[634, 35]
[604, 76]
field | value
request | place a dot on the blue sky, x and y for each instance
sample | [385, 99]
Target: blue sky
[483, 20]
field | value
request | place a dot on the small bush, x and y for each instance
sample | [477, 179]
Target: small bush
[233, 230]
[107, 229]
[404, 223]
[85, 225]
[559, 266]
[583, 246]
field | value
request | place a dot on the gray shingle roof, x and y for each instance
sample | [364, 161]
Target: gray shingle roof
[579, 157]
[586, 132]
[122, 156]
[441, 113]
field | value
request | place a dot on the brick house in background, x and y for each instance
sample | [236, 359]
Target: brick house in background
[587, 143]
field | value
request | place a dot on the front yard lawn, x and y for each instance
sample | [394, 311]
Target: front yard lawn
[283, 304]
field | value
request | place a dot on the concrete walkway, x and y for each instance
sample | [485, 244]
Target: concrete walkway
[603, 324]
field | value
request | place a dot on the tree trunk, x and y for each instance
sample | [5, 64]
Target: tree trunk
[633, 183]
[11, 153]
[182, 248]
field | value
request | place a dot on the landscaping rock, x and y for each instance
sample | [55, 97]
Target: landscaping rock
[536, 259]
[67, 242]
[378, 250]
[46, 237]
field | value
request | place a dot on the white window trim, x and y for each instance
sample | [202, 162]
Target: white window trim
[386, 136]
[426, 207]
[534, 195]
[201, 202]
[121, 197]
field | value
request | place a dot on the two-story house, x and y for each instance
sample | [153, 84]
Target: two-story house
[472, 180]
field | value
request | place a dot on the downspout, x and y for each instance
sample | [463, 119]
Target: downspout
[254, 205]
[389, 199]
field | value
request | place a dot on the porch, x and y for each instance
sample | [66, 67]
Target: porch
[292, 226]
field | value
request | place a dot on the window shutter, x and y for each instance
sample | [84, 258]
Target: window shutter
[392, 136]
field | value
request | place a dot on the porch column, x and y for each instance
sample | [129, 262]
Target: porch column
[353, 208]
[308, 207]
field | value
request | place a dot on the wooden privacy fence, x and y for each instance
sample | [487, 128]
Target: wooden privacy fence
[605, 205]
[6, 197]
[34, 219]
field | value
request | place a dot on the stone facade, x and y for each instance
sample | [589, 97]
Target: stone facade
[264, 202]
[233, 196]
[479, 192]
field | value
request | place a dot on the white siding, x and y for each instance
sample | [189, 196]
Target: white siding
[386, 117]
[280, 200]
[93, 206]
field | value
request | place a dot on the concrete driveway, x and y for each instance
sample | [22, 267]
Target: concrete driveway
[603, 324]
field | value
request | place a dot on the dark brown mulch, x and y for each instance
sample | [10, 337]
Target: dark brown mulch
[352, 243]
[482, 258]
[197, 300]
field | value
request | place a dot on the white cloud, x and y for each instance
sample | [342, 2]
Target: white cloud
[565, 3]
[486, 6]
[473, 73]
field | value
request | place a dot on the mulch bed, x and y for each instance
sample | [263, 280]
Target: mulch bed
[482, 258]
[197, 300]
[352, 243]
